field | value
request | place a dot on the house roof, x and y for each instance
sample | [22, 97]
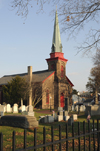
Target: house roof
[69, 81]
[37, 76]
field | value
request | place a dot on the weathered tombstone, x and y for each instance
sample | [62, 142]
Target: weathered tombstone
[74, 117]
[92, 110]
[66, 104]
[2, 108]
[73, 108]
[50, 119]
[65, 113]
[76, 108]
[66, 118]
[70, 121]
[82, 108]
[2, 113]
[21, 102]
[22, 108]
[55, 117]
[60, 109]
[43, 119]
[5, 108]
[15, 108]
[8, 108]
[60, 118]
[60, 113]
[30, 110]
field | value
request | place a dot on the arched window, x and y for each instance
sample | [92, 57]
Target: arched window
[62, 71]
[47, 97]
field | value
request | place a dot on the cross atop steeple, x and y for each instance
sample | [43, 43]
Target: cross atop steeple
[56, 42]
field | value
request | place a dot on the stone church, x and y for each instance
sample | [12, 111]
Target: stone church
[55, 86]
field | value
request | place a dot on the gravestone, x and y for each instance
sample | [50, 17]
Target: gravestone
[30, 110]
[5, 108]
[15, 108]
[82, 108]
[60, 109]
[2, 108]
[73, 109]
[50, 119]
[55, 116]
[66, 118]
[60, 113]
[70, 121]
[65, 113]
[92, 110]
[74, 117]
[60, 118]
[1, 113]
[76, 108]
[8, 108]
[22, 108]
[21, 102]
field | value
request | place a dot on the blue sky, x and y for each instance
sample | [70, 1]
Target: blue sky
[28, 43]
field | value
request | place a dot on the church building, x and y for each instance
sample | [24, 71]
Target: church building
[53, 83]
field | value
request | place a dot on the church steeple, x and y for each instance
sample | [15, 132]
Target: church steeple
[56, 42]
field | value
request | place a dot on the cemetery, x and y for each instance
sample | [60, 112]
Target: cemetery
[28, 122]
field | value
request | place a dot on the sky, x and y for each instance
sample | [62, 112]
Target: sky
[27, 42]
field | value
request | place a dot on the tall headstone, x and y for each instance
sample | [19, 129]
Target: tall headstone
[8, 108]
[30, 80]
[21, 102]
[15, 108]
[30, 110]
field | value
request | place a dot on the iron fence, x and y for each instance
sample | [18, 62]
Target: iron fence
[86, 133]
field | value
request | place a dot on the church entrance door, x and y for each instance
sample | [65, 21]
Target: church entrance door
[62, 100]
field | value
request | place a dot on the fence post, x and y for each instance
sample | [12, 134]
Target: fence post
[98, 133]
[84, 133]
[73, 134]
[44, 138]
[60, 137]
[98, 142]
[79, 135]
[93, 136]
[25, 139]
[89, 136]
[35, 138]
[13, 141]
[67, 136]
[52, 137]
[1, 142]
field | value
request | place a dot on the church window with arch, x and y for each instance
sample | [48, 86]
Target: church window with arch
[62, 71]
[47, 97]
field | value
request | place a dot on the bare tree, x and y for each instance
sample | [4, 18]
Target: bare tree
[96, 58]
[36, 93]
[73, 14]
[94, 82]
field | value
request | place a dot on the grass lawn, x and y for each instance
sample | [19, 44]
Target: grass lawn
[7, 132]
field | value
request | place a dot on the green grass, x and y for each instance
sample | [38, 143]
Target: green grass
[7, 132]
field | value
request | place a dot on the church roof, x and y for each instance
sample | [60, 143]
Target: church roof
[56, 42]
[37, 76]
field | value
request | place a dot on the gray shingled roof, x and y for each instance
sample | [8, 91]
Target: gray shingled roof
[38, 76]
